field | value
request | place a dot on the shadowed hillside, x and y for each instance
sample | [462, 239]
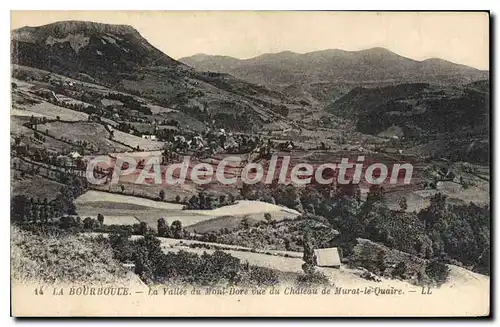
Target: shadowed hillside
[120, 58]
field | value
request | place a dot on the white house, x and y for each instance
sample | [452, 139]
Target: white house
[328, 257]
[75, 155]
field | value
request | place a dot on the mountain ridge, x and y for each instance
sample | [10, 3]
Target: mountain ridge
[336, 70]
[380, 50]
[72, 26]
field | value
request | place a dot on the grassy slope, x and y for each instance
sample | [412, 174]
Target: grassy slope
[71, 258]
[34, 186]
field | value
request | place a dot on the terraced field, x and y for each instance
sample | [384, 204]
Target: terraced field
[121, 208]
[93, 133]
[37, 187]
[120, 200]
[94, 202]
[136, 141]
[49, 110]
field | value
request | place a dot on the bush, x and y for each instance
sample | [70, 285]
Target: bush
[155, 266]
[176, 229]
[400, 270]
[264, 276]
[90, 223]
[62, 258]
[437, 271]
[312, 279]
[120, 244]
[100, 218]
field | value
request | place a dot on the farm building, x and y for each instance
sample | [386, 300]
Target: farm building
[75, 155]
[328, 257]
[149, 137]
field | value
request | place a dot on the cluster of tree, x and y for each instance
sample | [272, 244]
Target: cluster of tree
[24, 209]
[88, 109]
[286, 195]
[32, 210]
[59, 170]
[165, 134]
[130, 102]
[175, 230]
[311, 275]
[170, 122]
[39, 137]
[282, 110]
[449, 233]
[323, 147]
[459, 232]
[454, 234]
[36, 120]
[155, 266]
[285, 234]
[128, 128]
[206, 201]
[242, 121]
[41, 212]
[21, 75]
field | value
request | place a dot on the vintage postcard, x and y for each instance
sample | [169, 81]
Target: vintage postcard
[282, 164]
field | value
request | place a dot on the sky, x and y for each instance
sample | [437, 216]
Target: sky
[458, 37]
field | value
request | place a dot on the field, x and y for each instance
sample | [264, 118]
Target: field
[157, 109]
[95, 196]
[93, 133]
[36, 186]
[245, 207]
[16, 125]
[122, 209]
[21, 84]
[231, 216]
[17, 129]
[49, 110]
[109, 204]
[123, 216]
[149, 190]
[136, 141]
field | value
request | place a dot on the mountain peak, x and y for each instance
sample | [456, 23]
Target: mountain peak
[378, 50]
[94, 47]
[64, 28]
[200, 55]
[380, 53]
[276, 55]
